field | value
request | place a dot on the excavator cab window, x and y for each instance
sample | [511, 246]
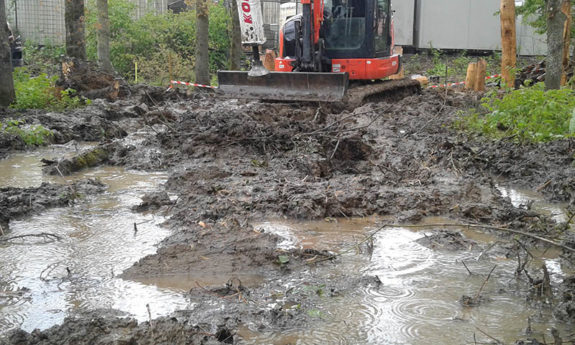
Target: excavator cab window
[382, 20]
[344, 24]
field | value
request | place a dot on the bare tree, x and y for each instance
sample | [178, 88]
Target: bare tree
[75, 29]
[202, 42]
[7, 95]
[236, 38]
[104, 36]
[554, 61]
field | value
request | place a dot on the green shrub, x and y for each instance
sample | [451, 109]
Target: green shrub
[163, 45]
[31, 135]
[528, 114]
[39, 93]
[43, 59]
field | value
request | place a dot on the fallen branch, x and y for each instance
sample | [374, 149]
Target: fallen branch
[489, 336]
[483, 285]
[487, 227]
[45, 235]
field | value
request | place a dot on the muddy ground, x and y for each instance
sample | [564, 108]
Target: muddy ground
[233, 163]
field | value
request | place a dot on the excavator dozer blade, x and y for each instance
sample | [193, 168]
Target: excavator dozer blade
[284, 86]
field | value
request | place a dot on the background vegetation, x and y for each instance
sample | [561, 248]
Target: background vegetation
[529, 114]
[162, 45]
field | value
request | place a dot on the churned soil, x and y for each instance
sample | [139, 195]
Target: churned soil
[233, 163]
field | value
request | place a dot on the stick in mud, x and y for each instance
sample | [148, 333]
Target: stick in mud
[47, 236]
[483, 285]
[489, 336]
[467, 268]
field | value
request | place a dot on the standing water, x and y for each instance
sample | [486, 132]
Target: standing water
[43, 282]
[418, 298]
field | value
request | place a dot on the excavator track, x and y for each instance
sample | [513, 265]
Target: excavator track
[389, 90]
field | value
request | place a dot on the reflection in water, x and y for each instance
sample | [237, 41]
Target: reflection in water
[53, 280]
[418, 300]
[523, 197]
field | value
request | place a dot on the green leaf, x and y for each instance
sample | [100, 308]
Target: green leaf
[314, 313]
[283, 259]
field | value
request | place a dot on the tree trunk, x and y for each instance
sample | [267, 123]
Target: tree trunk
[508, 42]
[554, 61]
[202, 42]
[566, 9]
[236, 39]
[75, 24]
[104, 36]
[7, 95]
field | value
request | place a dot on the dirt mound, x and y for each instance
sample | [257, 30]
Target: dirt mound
[106, 327]
[19, 202]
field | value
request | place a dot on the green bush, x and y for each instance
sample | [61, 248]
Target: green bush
[31, 135]
[43, 59]
[39, 93]
[528, 114]
[163, 45]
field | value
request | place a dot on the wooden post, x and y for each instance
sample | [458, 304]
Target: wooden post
[269, 60]
[470, 80]
[480, 76]
[508, 41]
[475, 79]
[566, 9]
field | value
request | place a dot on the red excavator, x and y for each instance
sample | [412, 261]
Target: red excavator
[332, 50]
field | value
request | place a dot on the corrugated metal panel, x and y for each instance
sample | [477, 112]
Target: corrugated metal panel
[528, 41]
[403, 21]
[470, 24]
[444, 23]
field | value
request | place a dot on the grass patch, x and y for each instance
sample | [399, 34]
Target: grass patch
[31, 135]
[40, 93]
[526, 115]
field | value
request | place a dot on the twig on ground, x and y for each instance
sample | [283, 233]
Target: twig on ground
[467, 268]
[48, 236]
[483, 285]
[489, 336]
[487, 227]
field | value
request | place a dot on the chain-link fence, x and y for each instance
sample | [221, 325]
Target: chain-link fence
[42, 21]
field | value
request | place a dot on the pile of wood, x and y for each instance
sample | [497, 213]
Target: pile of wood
[531, 74]
[535, 73]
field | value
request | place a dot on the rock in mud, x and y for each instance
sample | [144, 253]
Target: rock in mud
[565, 310]
[89, 159]
[153, 201]
[447, 240]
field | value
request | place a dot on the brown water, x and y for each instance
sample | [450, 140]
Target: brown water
[521, 197]
[98, 242]
[418, 301]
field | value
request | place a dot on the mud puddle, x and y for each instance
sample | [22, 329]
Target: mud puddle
[24, 169]
[416, 291]
[521, 197]
[43, 280]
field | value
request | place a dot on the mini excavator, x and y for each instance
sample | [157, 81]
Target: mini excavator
[333, 50]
